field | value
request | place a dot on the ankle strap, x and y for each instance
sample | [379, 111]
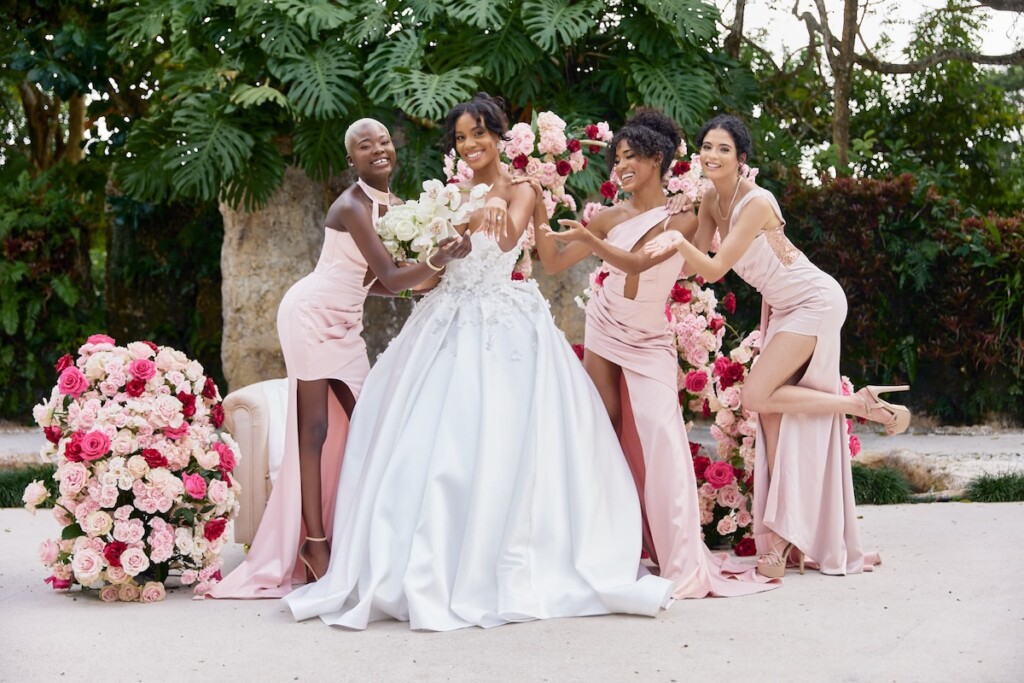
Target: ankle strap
[310, 538]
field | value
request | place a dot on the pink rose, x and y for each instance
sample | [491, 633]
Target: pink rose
[227, 458]
[72, 477]
[175, 433]
[134, 561]
[100, 339]
[35, 493]
[743, 519]
[153, 591]
[217, 492]
[142, 369]
[729, 496]
[95, 445]
[128, 592]
[195, 485]
[696, 380]
[48, 552]
[189, 576]
[854, 445]
[87, 565]
[726, 526]
[719, 474]
[109, 593]
[72, 382]
[58, 584]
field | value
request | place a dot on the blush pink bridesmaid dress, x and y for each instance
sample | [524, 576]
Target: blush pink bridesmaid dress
[808, 498]
[634, 334]
[320, 323]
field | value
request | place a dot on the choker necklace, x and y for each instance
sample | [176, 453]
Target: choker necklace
[377, 198]
[718, 203]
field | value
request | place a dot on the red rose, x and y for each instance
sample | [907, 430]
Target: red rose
[53, 433]
[746, 547]
[732, 375]
[563, 167]
[135, 387]
[585, 162]
[154, 458]
[210, 389]
[722, 363]
[696, 380]
[680, 294]
[719, 474]
[573, 145]
[520, 162]
[729, 303]
[599, 280]
[112, 552]
[453, 181]
[700, 465]
[151, 345]
[682, 397]
[694, 449]
[578, 350]
[217, 415]
[716, 323]
[214, 528]
[609, 189]
[680, 167]
[188, 403]
[73, 448]
[592, 131]
[64, 362]
[516, 275]
[705, 410]
[738, 472]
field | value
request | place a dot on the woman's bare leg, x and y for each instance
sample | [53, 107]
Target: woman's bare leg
[312, 427]
[606, 376]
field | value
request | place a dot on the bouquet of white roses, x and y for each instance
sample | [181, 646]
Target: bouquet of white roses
[411, 231]
[143, 471]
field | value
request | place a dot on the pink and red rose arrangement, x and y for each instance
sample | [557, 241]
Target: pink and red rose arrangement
[143, 471]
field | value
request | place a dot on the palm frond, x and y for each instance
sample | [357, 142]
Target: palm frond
[322, 82]
[401, 50]
[259, 180]
[210, 148]
[320, 147]
[691, 20]
[487, 14]
[316, 16]
[247, 96]
[558, 22]
[682, 94]
[432, 95]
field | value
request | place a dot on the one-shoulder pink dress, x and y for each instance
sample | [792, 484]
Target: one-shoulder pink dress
[634, 334]
[320, 323]
[808, 499]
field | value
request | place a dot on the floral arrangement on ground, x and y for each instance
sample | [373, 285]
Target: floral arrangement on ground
[143, 472]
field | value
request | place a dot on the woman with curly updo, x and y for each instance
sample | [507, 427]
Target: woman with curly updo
[630, 354]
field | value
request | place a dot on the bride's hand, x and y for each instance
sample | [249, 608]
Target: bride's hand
[574, 232]
[678, 203]
[451, 249]
[495, 218]
[664, 243]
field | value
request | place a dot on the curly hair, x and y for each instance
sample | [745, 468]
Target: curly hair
[490, 111]
[736, 129]
[649, 133]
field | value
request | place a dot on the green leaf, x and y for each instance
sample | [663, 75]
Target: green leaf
[401, 50]
[425, 10]
[136, 23]
[64, 289]
[278, 34]
[249, 96]
[322, 82]
[9, 315]
[693, 21]
[432, 95]
[211, 147]
[372, 24]
[259, 179]
[320, 146]
[316, 15]
[489, 14]
[554, 23]
[682, 95]
[504, 54]
[143, 170]
[71, 531]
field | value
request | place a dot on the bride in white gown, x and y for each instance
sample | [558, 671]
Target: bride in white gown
[483, 483]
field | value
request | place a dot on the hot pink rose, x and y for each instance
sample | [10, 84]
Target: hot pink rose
[175, 433]
[95, 445]
[696, 380]
[58, 584]
[854, 445]
[195, 485]
[100, 339]
[72, 382]
[227, 458]
[719, 474]
[142, 369]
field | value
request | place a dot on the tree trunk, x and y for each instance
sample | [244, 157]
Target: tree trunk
[842, 66]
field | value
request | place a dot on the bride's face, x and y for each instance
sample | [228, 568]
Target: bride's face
[474, 144]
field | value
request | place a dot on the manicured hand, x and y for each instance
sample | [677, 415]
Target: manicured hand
[451, 249]
[678, 203]
[495, 218]
[664, 243]
[574, 232]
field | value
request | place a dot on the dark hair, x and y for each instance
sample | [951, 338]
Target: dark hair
[649, 133]
[736, 129]
[488, 110]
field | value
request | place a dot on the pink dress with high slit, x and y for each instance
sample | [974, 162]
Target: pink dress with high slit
[808, 499]
[634, 334]
[320, 323]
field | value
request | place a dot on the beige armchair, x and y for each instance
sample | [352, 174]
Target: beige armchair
[256, 416]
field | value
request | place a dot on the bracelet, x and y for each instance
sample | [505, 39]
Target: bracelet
[436, 269]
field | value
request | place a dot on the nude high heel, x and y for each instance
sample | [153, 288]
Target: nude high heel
[309, 569]
[773, 563]
[900, 414]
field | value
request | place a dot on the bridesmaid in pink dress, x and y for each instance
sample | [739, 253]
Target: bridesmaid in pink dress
[630, 355]
[803, 490]
[320, 321]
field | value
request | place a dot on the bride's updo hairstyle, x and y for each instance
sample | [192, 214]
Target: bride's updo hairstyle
[649, 133]
[488, 111]
[736, 129]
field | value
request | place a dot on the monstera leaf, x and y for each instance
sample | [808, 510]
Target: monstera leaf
[322, 82]
[430, 96]
[554, 23]
[211, 147]
[401, 51]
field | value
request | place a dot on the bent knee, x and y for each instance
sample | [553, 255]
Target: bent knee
[312, 436]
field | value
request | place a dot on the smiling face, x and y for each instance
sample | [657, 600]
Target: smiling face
[371, 151]
[634, 170]
[474, 144]
[718, 155]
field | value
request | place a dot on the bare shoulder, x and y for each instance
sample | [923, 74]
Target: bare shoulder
[346, 209]
[608, 218]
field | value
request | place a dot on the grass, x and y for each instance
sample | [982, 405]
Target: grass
[881, 486]
[14, 480]
[997, 488]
